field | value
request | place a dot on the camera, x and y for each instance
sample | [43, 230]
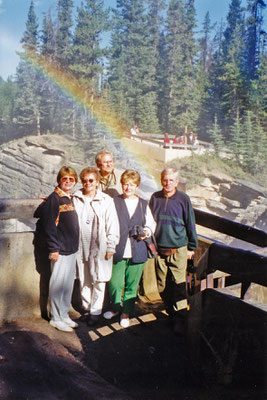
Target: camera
[136, 231]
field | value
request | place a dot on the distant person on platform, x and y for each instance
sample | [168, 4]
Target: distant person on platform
[166, 141]
[108, 180]
[196, 141]
[176, 239]
[175, 142]
[134, 130]
[191, 137]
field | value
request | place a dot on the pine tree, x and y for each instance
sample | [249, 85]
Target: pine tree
[249, 143]
[28, 113]
[212, 105]
[183, 93]
[130, 75]
[8, 95]
[30, 37]
[63, 32]
[258, 103]
[27, 109]
[87, 54]
[254, 39]
[235, 96]
[60, 38]
[162, 84]
[48, 39]
[50, 102]
[202, 76]
[216, 136]
[205, 43]
[255, 145]
[260, 150]
[237, 142]
[155, 22]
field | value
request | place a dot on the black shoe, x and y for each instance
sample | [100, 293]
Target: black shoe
[92, 320]
[85, 317]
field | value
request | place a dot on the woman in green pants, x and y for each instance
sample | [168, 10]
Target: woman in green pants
[136, 223]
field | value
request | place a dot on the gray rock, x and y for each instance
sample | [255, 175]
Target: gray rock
[230, 203]
[215, 205]
[196, 202]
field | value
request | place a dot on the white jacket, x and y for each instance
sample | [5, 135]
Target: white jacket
[107, 235]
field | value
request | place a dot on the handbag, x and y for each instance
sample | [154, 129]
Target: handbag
[151, 247]
[150, 242]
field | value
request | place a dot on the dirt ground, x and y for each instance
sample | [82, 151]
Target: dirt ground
[145, 361]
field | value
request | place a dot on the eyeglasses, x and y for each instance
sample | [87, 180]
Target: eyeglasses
[106, 162]
[67, 178]
[129, 184]
[88, 180]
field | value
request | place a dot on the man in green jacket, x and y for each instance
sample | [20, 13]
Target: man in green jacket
[176, 239]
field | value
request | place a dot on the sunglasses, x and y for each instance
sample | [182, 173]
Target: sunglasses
[67, 178]
[88, 180]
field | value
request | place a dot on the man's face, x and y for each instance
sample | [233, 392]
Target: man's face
[106, 165]
[169, 183]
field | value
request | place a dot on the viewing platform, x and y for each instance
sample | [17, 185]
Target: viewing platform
[154, 146]
[222, 350]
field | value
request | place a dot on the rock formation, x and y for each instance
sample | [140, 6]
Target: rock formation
[29, 166]
[240, 201]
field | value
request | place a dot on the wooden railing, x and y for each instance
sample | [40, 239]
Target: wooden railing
[158, 139]
[236, 258]
[231, 228]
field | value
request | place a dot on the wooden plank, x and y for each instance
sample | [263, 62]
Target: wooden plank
[231, 228]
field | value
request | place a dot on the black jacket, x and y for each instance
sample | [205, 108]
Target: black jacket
[58, 226]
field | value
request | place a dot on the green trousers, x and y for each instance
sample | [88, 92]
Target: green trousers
[171, 278]
[125, 275]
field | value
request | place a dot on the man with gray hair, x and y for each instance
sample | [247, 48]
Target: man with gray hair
[176, 239]
[108, 183]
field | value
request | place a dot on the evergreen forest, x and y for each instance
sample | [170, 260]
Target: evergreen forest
[158, 71]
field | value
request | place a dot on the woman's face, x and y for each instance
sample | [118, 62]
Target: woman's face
[67, 183]
[129, 188]
[89, 183]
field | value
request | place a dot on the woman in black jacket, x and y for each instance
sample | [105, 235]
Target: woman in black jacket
[58, 228]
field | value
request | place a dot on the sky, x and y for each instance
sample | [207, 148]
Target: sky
[13, 17]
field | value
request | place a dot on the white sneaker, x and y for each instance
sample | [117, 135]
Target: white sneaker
[110, 314]
[71, 323]
[61, 326]
[125, 322]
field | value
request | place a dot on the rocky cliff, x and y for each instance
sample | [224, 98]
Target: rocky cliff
[29, 166]
[240, 201]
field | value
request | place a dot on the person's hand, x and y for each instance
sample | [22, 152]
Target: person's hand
[190, 254]
[108, 255]
[143, 237]
[54, 256]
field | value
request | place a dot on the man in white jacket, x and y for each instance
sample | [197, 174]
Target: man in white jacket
[99, 235]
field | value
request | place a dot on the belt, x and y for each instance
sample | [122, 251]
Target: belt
[163, 251]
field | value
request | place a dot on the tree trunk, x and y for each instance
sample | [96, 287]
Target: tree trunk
[38, 123]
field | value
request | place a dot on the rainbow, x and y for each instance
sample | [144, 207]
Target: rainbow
[101, 111]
